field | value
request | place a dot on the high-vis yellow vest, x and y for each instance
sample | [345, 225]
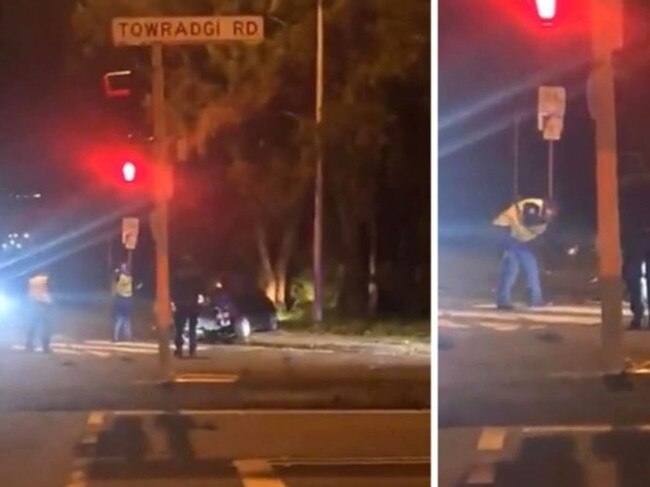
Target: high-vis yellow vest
[124, 286]
[513, 218]
[38, 288]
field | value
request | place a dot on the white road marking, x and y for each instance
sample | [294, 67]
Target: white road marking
[499, 326]
[491, 439]
[95, 419]
[581, 428]
[274, 412]
[77, 479]
[532, 317]
[206, 378]
[290, 462]
[134, 345]
[442, 323]
[257, 473]
[482, 474]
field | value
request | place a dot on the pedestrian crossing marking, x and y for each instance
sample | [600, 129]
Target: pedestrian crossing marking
[257, 473]
[486, 316]
[102, 348]
[491, 439]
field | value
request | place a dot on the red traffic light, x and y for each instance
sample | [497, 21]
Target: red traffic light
[546, 10]
[129, 171]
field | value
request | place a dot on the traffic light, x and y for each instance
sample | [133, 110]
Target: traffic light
[546, 10]
[129, 172]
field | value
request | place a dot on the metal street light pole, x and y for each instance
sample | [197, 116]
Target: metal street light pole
[317, 312]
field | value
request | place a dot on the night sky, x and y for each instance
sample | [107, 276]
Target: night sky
[492, 57]
[34, 94]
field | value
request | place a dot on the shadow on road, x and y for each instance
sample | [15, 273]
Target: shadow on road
[547, 461]
[630, 451]
[123, 451]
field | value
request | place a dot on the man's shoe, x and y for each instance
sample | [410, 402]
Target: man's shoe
[505, 307]
[634, 325]
[178, 354]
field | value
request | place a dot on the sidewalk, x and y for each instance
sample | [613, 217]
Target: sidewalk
[340, 343]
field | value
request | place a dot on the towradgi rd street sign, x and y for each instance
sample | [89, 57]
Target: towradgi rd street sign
[138, 31]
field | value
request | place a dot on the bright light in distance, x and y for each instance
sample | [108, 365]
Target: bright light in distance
[5, 303]
[128, 171]
[546, 9]
[25, 235]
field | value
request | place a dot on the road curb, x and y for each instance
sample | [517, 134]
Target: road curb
[386, 349]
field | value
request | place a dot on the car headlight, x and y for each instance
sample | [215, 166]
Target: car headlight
[5, 303]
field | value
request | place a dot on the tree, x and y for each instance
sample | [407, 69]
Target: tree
[250, 93]
[375, 45]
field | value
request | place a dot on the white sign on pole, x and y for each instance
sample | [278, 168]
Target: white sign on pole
[553, 126]
[138, 31]
[130, 230]
[551, 101]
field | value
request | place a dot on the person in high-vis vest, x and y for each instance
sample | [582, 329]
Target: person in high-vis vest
[526, 220]
[123, 295]
[40, 301]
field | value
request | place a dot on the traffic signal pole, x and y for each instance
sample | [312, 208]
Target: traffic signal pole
[606, 38]
[161, 216]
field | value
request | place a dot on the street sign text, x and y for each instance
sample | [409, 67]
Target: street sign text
[136, 31]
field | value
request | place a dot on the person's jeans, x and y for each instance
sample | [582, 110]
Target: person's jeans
[514, 257]
[39, 322]
[633, 274]
[122, 326]
[183, 315]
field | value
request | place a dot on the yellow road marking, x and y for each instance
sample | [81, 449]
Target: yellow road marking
[257, 473]
[491, 439]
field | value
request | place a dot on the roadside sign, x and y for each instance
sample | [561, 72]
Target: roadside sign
[551, 101]
[130, 230]
[553, 126]
[138, 31]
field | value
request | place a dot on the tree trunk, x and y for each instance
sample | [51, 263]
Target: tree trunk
[354, 294]
[282, 263]
[268, 277]
[373, 291]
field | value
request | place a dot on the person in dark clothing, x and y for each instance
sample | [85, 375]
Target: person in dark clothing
[635, 242]
[187, 285]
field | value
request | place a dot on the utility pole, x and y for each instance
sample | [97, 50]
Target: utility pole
[317, 312]
[160, 215]
[606, 30]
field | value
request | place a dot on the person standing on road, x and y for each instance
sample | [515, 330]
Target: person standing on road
[40, 302]
[123, 304]
[526, 220]
[187, 285]
[635, 243]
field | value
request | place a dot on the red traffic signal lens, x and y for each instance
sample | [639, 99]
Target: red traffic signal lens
[546, 9]
[129, 171]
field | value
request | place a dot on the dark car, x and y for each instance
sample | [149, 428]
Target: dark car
[252, 308]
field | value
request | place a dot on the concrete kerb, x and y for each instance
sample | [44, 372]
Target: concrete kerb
[377, 348]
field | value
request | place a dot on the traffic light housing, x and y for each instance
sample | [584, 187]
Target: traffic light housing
[118, 84]
[122, 167]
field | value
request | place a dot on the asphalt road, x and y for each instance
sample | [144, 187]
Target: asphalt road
[227, 448]
[125, 377]
[524, 400]
[93, 413]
